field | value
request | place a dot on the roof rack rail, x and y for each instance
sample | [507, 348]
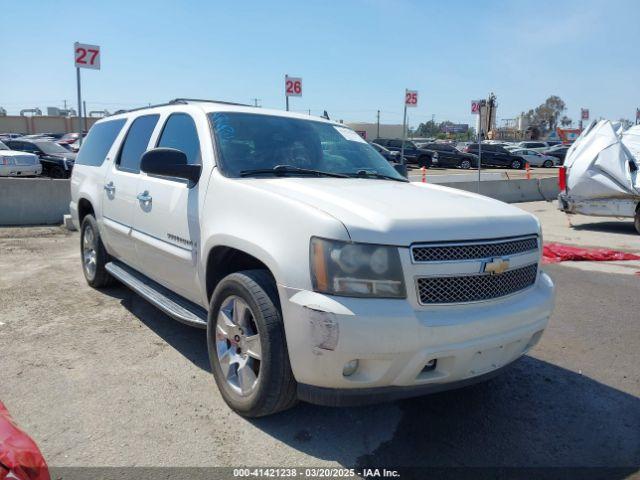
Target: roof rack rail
[180, 101]
[187, 100]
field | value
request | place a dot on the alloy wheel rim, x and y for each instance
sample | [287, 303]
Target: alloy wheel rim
[89, 255]
[238, 345]
[466, 164]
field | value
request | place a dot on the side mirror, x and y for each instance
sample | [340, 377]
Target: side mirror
[169, 162]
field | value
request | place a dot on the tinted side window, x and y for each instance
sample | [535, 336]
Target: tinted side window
[97, 144]
[136, 143]
[179, 132]
[396, 143]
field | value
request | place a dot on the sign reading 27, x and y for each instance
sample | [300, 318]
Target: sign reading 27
[86, 56]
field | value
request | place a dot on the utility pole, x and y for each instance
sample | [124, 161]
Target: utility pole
[65, 104]
[378, 128]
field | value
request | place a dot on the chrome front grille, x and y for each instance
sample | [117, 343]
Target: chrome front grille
[473, 250]
[475, 288]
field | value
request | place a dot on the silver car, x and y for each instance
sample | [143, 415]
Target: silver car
[536, 159]
[18, 164]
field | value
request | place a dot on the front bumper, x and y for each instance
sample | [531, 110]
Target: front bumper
[394, 341]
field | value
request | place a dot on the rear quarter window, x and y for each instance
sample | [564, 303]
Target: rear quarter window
[98, 142]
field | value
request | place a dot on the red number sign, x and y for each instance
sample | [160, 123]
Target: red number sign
[475, 107]
[86, 56]
[292, 86]
[411, 98]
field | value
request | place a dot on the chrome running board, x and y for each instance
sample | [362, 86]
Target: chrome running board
[169, 302]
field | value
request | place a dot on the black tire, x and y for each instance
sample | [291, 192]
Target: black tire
[547, 164]
[57, 172]
[424, 161]
[98, 278]
[465, 164]
[516, 164]
[275, 389]
[636, 220]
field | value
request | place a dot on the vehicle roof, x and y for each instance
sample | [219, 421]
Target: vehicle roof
[212, 106]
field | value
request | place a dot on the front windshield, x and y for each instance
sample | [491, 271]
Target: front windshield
[248, 141]
[3, 146]
[50, 147]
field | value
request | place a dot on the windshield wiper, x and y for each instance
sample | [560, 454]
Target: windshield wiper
[375, 174]
[282, 170]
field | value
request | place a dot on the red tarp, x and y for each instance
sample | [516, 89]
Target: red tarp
[20, 457]
[556, 252]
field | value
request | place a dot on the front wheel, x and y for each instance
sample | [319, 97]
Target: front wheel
[247, 346]
[516, 164]
[58, 172]
[424, 162]
[465, 164]
[636, 221]
[547, 164]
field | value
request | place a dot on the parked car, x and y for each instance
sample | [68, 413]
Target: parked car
[69, 138]
[496, 156]
[536, 159]
[385, 152]
[450, 156]
[318, 271]
[56, 161]
[413, 154]
[533, 145]
[18, 164]
[9, 136]
[558, 151]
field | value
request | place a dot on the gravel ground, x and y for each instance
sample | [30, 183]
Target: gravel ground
[102, 378]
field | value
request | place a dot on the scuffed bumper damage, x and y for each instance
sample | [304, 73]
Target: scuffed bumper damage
[403, 352]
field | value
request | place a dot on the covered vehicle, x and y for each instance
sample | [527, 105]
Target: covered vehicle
[602, 173]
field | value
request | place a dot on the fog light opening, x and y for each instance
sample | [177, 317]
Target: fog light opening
[430, 365]
[350, 367]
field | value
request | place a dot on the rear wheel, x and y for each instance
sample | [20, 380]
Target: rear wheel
[547, 164]
[424, 161]
[516, 164]
[247, 346]
[637, 219]
[465, 164]
[94, 255]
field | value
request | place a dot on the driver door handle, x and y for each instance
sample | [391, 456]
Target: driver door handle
[144, 197]
[110, 187]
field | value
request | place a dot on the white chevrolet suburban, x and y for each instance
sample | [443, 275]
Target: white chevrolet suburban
[318, 271]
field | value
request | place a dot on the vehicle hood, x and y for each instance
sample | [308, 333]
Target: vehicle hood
[397, 213]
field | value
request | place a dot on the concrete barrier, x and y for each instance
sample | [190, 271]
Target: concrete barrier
[512, 191]
[33, 201]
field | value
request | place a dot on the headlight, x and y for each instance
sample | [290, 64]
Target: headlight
[356, 269]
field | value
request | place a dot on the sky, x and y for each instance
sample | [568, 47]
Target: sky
[355, 56]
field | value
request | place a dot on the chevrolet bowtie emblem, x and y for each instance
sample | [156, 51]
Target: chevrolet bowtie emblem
[496, 266]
